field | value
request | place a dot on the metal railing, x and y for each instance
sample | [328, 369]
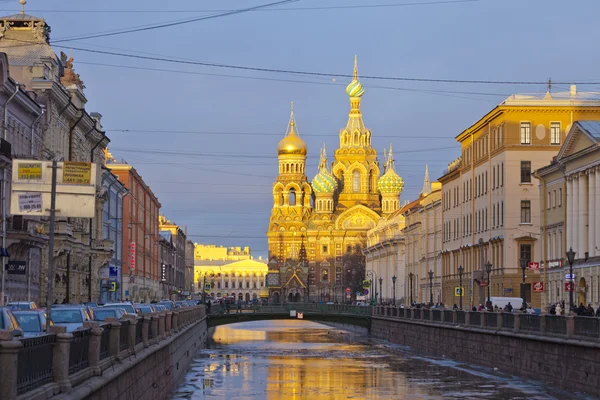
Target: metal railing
[79, 351]
[529, 323]
[556, 325]
[34, 365]
[104, 339]
[587, 326]
[508, 321]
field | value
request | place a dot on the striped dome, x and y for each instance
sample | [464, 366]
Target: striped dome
[355, 89]
[324, 182]
[390, 183]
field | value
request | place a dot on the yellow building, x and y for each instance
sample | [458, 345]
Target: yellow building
[242, 280]
[214, 252]
[491, 208]
[313, 225]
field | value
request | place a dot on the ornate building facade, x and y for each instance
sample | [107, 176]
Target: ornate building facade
[314, 225]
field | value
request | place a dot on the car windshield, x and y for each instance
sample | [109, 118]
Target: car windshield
[20, 306]
[167, 304]
[127, 307]
[66, 316]
[101, 314]
[29, 322]
[145, 309]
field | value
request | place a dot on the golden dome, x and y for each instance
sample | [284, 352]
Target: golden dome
[291, 143]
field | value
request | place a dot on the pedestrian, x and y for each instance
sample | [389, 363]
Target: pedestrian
[559, 309]
[455, 307]
[509, 307]
[598, 312]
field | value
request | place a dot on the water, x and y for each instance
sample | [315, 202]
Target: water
[293, 359]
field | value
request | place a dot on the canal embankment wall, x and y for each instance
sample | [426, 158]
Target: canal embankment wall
[568, 363]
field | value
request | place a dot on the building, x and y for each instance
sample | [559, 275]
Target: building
[111, 277]
[189, 268]
[141, 272]
[68, 132]
[178, 239]
[326, 219]
[240, 280]
[167, 258]
[214, 252]
[570, 210]
[25, 236]
[491, 210]
[423, 241]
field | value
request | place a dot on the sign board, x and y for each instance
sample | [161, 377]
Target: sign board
[207, 287]
[570, 277]
[483, 284]
[293, 313]
[30, 201]
[113, 286]
[554, 264]
[300, 315]
[103, 273]
[534, 265]
[508, 291]
[569, 286]
[113, 271]
[348, 290]
[365, 292]
[77, 173]
[31, 188]
[366, 284]
[132, 255]
[459, 291]
[163, 272]
[16, 267]
[28, 171]
[538, 287]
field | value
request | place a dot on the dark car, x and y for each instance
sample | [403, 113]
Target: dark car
[32, 322]
[9, 322]
[101, 313]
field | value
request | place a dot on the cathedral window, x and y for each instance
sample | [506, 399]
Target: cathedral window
[325, 276]
[292, 197]
[324, 249]
[356, 181]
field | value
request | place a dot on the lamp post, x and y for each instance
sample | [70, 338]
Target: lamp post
[410, 277]
[523, 268]
[488, 269]
[394, 288]
[461, 269]
[430, 273]
[372, 286]
[571, 259]
[380, 290]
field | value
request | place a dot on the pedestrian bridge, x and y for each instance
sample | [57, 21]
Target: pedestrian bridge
[327, 313]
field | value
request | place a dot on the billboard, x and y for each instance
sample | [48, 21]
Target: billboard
[31, 188]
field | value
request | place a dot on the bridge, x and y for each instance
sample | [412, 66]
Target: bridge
[326, 313]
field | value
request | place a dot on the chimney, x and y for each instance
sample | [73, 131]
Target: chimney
[573, 90]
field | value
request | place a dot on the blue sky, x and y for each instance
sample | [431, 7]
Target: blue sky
[219, 184]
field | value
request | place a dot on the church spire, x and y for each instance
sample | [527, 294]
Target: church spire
[22, 2]
[426, 182]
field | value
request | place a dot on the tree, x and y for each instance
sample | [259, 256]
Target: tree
[354, 265]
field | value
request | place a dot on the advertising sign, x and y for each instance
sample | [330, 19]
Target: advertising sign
[538, 287]
[569, 287]
[16, 267]
[77, 173]
[28, 171]
[554, 264]
[570, 277]
[30, 201]
[132, 255]
[459, 291]
[534, 265]
[163, 273]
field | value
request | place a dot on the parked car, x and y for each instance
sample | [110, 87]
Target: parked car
[168, 303]
[72, 317]
[144, 308]
[101, 313]
[22, 305]
[9, 322]
[160, 307]
[32, 322]
[125, 305]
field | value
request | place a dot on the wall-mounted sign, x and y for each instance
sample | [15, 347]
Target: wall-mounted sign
[569, 286]
[28, 171]
[16, 267]
[534, 265]
[77, 173]
[538, 287]
[132, 255]
[459, 291]
[30, 202]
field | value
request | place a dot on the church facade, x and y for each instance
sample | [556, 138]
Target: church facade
[317, 228]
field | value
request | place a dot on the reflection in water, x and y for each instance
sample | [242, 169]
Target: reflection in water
[292, 359]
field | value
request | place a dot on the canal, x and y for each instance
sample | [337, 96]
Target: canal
[293, 359]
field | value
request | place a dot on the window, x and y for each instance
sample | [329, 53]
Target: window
[502, 175]
[502, 214]
[493, 215]
[525, 132]
[493, 178]
[292, 201]
[555, 133]
[525, 211]
[560, 197]
[325, 249]
[356, 181]
[525, 171]
[486, 182]
[325, 276]
[549, 201]
[226, 284]
[525, 252]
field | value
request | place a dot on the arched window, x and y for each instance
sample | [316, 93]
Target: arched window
[356, 182]
[292, 197]
[325, 276]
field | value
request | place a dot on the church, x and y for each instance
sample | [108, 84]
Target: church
[316, 226]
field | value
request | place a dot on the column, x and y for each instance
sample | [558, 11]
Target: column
[569, 205]
[596, 200]
[574, 216]
[592, 211]
[582, 214]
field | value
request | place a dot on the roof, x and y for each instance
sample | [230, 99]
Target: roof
[246, 264]
[21, 17]
[591, 127]
[165, 234]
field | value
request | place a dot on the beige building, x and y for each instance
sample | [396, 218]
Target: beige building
[220, 253]
[423, 238]
[491, 209]
[242, 280]
[570, 186]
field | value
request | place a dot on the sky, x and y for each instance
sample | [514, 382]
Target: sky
[204, 137]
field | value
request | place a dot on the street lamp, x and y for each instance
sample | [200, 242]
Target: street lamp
[410, 277]
[488, 269]
[380, 291]
[523, 268]
[430, 273]
[372, 286]
[394, 288]
[461, 269]
[571, 259]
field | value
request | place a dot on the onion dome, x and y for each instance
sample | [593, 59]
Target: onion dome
[390, 182]
[355, 88]
[324, 181]
[291, 143]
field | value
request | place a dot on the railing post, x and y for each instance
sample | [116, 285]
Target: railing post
[114, 337]
[9, 355]
[467, 318]
[154, 323]
[94, 346]
[482, 321]
[431, 314]
[145, 330]
[570, 325]
[175, 322]
[517, 317]
[161, 326]
[133, 321]
[543, 324]
[499, 321]
[169, 322]
[60, 357]
[454, 317]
